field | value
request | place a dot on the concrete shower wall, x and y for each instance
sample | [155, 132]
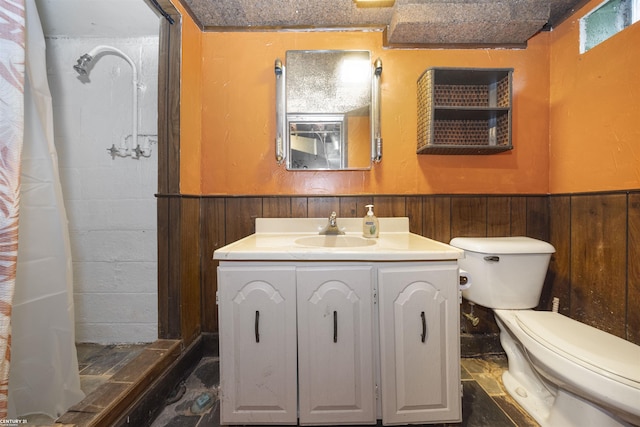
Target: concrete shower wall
[110, 202]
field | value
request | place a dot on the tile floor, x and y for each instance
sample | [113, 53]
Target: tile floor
[195, 404]
[485, 402]
[97, 363]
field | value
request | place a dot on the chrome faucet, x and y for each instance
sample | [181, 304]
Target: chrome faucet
[332, 226]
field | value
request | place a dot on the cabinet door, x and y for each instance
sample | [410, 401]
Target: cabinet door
[419, 343]
[257, 326]
[335, 345]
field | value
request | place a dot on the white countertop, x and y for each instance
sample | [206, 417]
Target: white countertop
[275, 240]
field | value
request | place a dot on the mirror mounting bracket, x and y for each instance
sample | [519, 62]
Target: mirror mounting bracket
[280, 116]
[376, 136]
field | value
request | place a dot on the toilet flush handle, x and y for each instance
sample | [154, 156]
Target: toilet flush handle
[465, 280]
[492, 258]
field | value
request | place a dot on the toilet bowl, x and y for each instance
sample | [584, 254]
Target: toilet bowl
[562, 372]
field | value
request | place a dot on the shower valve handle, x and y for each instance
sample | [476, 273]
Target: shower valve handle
[113, 151]
[138, 151]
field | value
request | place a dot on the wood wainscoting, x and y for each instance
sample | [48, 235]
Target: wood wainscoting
[596, 268]
[595, 272]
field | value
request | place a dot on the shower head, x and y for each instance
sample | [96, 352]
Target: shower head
[81, 66]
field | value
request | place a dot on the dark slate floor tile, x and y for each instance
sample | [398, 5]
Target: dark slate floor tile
[211, 418]
[184, 421]
[207, 373]
[464, 374]
[87, 352]
[514, 412]
[479, 410]
[103, 361]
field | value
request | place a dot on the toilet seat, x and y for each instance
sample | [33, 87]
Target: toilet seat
[592, 348]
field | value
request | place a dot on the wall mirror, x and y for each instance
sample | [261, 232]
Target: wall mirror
[327, 110]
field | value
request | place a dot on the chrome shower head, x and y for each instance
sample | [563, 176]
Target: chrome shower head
[84, 62]
[81, 66]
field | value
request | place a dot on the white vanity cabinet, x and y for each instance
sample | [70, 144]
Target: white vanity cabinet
[258, 375]
[419, 343]
[318, 342]
[335, 345]
[342, 330]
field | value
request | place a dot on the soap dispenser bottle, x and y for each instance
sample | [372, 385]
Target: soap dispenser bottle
[370, 223]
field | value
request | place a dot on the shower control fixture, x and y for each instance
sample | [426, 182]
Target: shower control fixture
[83, 67]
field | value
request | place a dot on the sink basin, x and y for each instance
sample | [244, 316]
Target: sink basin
[341, 241]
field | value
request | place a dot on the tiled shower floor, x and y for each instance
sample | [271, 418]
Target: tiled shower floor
[485, 402]
[96, 363]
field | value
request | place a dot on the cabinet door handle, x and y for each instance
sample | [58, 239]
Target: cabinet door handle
[335, 326]
[424, 326]
[257, 326]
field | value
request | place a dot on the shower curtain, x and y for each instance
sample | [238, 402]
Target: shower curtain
[43, 377]
[12, 44]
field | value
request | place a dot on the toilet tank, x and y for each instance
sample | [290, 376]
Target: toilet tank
[504, 272]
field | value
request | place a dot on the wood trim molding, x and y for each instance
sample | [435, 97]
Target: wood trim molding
[169, 209]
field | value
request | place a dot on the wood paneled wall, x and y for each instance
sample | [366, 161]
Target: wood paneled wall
[596, 269]
[594, 273]
[226, 219]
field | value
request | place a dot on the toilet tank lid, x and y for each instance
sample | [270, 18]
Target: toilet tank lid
[503, 245]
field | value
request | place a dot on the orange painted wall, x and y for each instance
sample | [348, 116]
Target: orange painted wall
[594, 110]
[190, 106]
[237, 97]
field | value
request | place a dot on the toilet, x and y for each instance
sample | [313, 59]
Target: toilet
[562, 372]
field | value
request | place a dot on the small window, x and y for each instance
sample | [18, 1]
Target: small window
[606, 20]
